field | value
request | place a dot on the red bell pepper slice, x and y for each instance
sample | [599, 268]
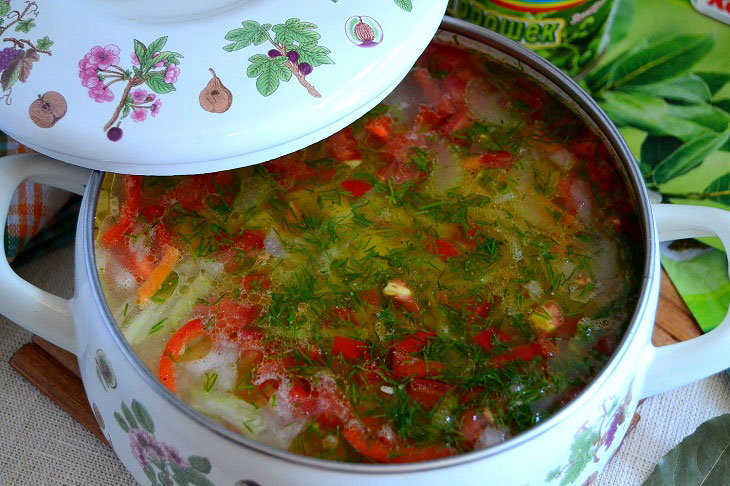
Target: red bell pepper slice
[414, 342]
[443, 249]
[132, 190]
[383, 451]
[427, 392]
[405, 366]
[174, 349]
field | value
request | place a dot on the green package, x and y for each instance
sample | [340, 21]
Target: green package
[572, 34]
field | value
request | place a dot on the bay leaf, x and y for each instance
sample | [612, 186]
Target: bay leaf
[715, 80]
[719, 190]
[688, 89]
[701, 459]
[689, 156]
[660, 60]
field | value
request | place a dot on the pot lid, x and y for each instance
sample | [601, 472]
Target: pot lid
[182, 86]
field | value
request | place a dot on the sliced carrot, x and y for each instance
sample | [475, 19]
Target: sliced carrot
[159, 274]
[174, 349]
[380, 127]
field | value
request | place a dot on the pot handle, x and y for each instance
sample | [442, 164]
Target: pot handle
[38, 311]
[681, 363]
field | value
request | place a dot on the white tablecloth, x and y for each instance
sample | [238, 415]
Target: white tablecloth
[41, 445]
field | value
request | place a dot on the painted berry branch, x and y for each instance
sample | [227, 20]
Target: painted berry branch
[20, 43]
[296, 71]
[296, 53]
[31, 8]
[135, 81]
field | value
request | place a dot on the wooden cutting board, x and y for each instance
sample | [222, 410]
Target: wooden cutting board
[55, 372]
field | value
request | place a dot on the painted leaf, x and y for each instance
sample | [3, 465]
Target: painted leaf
[129, 416]
[4, 8]
[622, 20]
[157, 83]
[26, 64]
[269, 72]
[689, 156]
[657, 148]
[296, 30]
[10, 75]
[661, 60]
[201, 464]
[715, 81]
[581, 454]
[25, 25]
[251, 33]
[150, 473]
[122, 423]
[196, 478]
[44, 43]
[649, 113]
[157, 45]
[314, 54]
[169, 56]
[689, 89]
[702, 458]
[719, 190]
[143, 417]
[406, 5]
[140, 50]
[599, 78]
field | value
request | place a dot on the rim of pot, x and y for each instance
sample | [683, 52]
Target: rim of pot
[630, 170]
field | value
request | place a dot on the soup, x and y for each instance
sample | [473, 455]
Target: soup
[441, 275]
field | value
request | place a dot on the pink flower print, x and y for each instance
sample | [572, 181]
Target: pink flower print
[139, 96]
[84, 62]
[135, 60]
[89, 78]
[172, 73]
[139, 115]
[101, 93]
[103, 57]
[155, 108]
[151, 96]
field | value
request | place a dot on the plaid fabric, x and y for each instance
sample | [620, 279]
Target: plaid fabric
[31, 210]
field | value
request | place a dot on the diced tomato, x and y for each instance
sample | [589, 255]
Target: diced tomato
[256, 282]
[132, 191]
[485, 339]
[343, 146]
[175, 347]
[152, 212]
[371, 297]
[405, 366]
[415, 342]
[478, 309]
[340, 314]
[446, 58]
[585, 148]
[603, 174]
[372, 374]
[497, 160]
[433, 93]
[528, 93]
[455, 86]
[139, 268]
[379, 450]
[427, 119]
[161, 236]
[427, 392]
[472, 425]
[526, 352]
[443, 249]
[379, 127]
[232, 316]
[356, 187]
[300, 389]
[603, 346]
[249, 241]
[289, 169]
[350, 349]
[329, 421]
[456, 122]
[399, 172]
[576, 194]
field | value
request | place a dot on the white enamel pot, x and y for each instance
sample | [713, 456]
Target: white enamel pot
[159, 438]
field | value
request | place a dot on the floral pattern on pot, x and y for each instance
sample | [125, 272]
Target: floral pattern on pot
[296, 53]
[589, 441]
[152, 66]
[161, 462]
[104, 371]
[17, 58]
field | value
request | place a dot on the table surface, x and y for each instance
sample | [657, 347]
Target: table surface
[41, 444]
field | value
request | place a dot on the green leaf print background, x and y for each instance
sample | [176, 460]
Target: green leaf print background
[665, 81]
